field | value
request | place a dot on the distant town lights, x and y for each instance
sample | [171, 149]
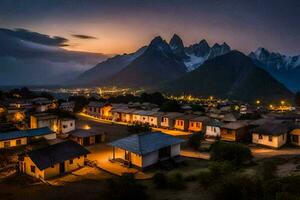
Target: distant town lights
[257, 101]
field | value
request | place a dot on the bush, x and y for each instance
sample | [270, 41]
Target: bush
[126, 187]
[267, 170]
[176, 181]
[220, 169]
[160, 181]
[195, 140]
[138, 128]
[237, 187]
[237, 154]
[205, 179]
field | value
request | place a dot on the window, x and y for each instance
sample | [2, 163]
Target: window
[283, 137]
[215, 130]
[32, 169]
[260, 137]
[6, 144]
[192, 124]
[18, 142]
[65, 126]
[71, 124]
[198, 124]
[270, 138]
[71, 162]
[295, 138]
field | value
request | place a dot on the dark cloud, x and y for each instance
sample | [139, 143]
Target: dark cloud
[83, 36]
[35, 37]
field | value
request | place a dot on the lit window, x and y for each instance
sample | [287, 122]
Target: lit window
[18, 142]
[6, 144]
[260, 137]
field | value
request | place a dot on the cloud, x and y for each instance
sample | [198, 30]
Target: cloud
[35, 37]
[83, 36]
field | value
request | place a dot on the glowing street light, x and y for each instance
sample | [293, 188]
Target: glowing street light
[282, 102]
[257, 102]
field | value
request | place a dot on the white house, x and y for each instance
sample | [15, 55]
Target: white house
[67, 106]
[270, 134]
[295, 136]
[213, 129]
[67, 125]
[168, 120]
[146, 149]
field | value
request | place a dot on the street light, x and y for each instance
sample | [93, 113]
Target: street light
[257, 102]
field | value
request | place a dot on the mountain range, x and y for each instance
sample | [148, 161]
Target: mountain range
[284, 68]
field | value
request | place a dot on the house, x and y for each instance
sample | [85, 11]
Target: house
[44, 120]
[66, 125]
[53, 160]
[234, 131]
[295, 136]
[213, 129]
[198, 124]
[99, 110]
[87, 137]
[231, 117]
[123, 114]
[168, 120]
[155, 119]
[182, 122]
[270, 134]
[56, 124]
[146, 149]
[23, 137]
[42, 104]
[67, 106]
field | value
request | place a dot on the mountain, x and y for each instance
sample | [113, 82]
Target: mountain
[284, 68]
[107, 68]
[156, 65]
[232, 75]
[199, 53]
[31, 58]
[177, 47]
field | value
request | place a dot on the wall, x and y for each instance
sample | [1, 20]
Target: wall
[150, 159]
[175, 150]
[69, 126]
[28, 163]
[228, 136]
[277, 141]
[295, 143]
[136, 118]
[106, 112]
[13, 143]
[212, 131]
[94, 111]
[195, 126]
[153, 121]
[164, 122]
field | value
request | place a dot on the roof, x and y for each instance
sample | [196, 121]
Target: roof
[46, 157]
[146, 143]
[45, 116]
[95, 104]
[231, 117]
[214, 122]
[271, 128]
[185, 117]
[173, 115]
[234, 125]
[200, 119]
[296, 131]
[84, 133]
[25, 133]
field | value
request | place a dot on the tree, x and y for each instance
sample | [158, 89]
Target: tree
[155, 98]
[195, 140]
[80, 102]
[198, 108]
[232, 152]
[170, 106]
[138, 128]
[297, 98]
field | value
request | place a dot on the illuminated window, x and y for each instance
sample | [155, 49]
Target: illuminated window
[6, 144]
[18, 142]
[260, 137]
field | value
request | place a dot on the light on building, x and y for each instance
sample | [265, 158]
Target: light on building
[257, 101]
[86, 127]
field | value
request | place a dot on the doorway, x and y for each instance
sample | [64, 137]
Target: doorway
[62, 167]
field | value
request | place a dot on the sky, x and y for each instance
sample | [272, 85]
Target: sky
[117, 27]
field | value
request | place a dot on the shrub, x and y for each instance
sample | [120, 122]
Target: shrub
[219, 169]
[205, 179]
[160, 181]
[237, 187]
[138, 128]
[126, 187]
[195, 140]
[176, 181]
[232, 152]
[267, 170]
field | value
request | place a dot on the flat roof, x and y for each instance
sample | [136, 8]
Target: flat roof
[25, 133]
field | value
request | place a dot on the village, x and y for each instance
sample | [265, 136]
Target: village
[46, 142]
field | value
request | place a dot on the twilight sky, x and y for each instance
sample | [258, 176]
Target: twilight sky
[122, 26]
